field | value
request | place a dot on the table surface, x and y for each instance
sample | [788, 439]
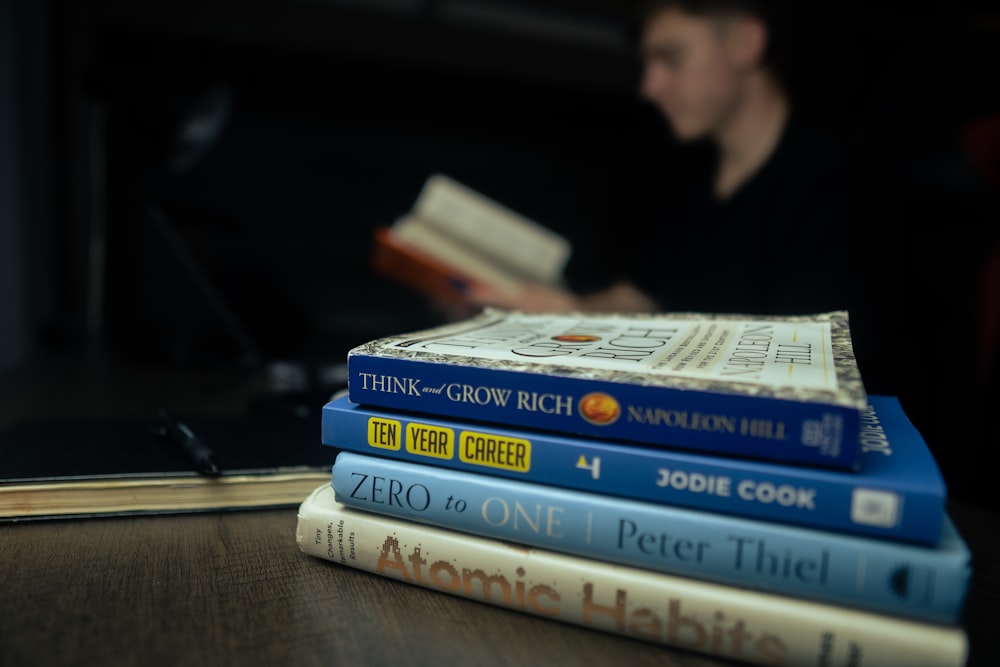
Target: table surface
[232, 588]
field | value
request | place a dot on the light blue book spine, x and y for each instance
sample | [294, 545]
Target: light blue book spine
[897, 494]
[924, 583]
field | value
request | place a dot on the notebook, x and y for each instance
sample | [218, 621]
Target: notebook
[88, 467]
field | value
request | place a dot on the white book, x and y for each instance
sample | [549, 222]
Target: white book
[722, 621]
[478, 238]
[780, 388]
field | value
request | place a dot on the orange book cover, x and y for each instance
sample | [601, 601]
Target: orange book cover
[414, 268]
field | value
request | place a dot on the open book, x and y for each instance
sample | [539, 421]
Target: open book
[455, 236]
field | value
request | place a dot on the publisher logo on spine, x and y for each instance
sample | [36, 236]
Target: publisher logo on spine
[875, 507]
[599, 408]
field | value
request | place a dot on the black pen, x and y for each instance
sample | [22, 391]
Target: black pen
[200, 454]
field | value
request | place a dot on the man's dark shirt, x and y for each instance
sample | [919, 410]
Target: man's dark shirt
[785, 242]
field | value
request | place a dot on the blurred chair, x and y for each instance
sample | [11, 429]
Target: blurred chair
[169, 132]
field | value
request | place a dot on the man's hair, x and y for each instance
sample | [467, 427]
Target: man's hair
[774, 14]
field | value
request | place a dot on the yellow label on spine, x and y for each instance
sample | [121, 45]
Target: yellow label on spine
[384, 433]
[433, 441]
[494, 451]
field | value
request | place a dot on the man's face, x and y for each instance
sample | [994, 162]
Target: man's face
[692, 71]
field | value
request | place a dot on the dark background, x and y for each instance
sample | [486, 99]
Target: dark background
[253, 246]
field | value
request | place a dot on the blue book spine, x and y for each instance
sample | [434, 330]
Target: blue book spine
[897, 494]
[924, 583]
[760, 427]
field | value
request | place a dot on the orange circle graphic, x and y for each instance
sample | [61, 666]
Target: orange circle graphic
[576, 338]
[600, 409]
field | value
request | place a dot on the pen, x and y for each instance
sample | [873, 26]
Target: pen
[194, 447]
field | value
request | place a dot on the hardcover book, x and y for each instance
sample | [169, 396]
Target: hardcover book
[784, 388]
[81, 467]
[455, 236]
[723, 621]
[925, 583]
[897, 494]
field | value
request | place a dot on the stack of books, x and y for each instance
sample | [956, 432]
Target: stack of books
[717, 483]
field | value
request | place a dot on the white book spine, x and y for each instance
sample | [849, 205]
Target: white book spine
[722, 621]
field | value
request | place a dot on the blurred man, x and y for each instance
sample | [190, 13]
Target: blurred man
[760, 218]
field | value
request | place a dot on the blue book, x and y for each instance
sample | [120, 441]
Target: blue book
[776, 388]
[898, 494]
[925, 583]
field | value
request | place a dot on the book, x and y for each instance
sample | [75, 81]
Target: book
[86, 467]
[926, 583]
[783, 388]
[417, 270]
[455, 236]
[723, 621]
[898, 493]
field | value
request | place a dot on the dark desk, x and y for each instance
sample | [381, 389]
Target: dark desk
[233, 588]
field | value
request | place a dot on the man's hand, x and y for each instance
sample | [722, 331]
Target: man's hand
[530, 297]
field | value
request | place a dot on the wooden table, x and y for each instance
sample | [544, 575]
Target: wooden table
[232, 588]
